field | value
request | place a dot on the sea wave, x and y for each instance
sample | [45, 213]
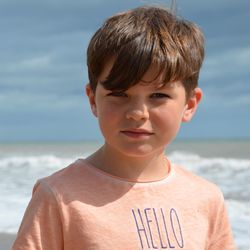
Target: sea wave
[19, 174]
[230, 174]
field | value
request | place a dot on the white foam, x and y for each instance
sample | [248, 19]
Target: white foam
[197, 161]
[239, 213]
[18, 175]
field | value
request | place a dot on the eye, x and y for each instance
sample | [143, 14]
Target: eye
[117, 94]
[159, 95]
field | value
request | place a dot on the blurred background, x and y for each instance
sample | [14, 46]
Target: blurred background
[46, 123]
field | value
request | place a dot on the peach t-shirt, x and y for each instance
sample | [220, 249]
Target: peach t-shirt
[82, 207]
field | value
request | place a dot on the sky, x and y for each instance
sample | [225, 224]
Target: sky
[43, 69]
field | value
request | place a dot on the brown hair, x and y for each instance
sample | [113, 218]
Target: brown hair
[141, 37]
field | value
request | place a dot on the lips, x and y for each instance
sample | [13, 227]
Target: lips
[137, 133]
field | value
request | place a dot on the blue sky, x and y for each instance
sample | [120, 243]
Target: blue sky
[43, 67]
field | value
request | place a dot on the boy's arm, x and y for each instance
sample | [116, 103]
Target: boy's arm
[41, 224]
[222, 236]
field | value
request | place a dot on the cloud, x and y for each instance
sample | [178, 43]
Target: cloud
[43, 63]
[27, 64]
[230, 61]
[39, 102]
[56, 63]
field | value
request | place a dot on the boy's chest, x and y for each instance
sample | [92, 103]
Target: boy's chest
[138, 226]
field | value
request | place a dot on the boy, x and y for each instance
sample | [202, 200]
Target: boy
[143, 68]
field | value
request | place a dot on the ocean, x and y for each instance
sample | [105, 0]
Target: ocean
[224, 162]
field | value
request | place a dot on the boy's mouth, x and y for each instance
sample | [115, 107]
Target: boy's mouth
[137, 133]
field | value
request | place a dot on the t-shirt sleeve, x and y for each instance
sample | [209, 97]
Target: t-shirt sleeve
[41, 225]
[222, 236]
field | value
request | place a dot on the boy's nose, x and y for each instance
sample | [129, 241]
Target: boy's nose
[138, 112]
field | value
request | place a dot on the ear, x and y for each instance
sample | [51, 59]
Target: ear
[192, 105]
[91, 96]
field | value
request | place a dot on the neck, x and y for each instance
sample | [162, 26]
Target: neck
[144, 168]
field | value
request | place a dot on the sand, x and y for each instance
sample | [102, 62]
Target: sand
[6, 241]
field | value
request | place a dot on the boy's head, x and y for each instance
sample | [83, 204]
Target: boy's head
[141, 37]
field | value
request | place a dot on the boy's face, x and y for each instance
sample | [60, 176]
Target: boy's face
[143, 119]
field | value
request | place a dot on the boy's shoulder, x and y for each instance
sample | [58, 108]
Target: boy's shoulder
[68, 171]
[197, 184]
[72, 176]
[190, 175]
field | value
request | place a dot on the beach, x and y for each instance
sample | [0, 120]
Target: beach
[226, 163]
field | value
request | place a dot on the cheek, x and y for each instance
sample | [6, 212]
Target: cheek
[108, 118]
[107, 112]
[169, 119]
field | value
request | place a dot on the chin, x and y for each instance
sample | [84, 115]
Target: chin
[140, 151]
